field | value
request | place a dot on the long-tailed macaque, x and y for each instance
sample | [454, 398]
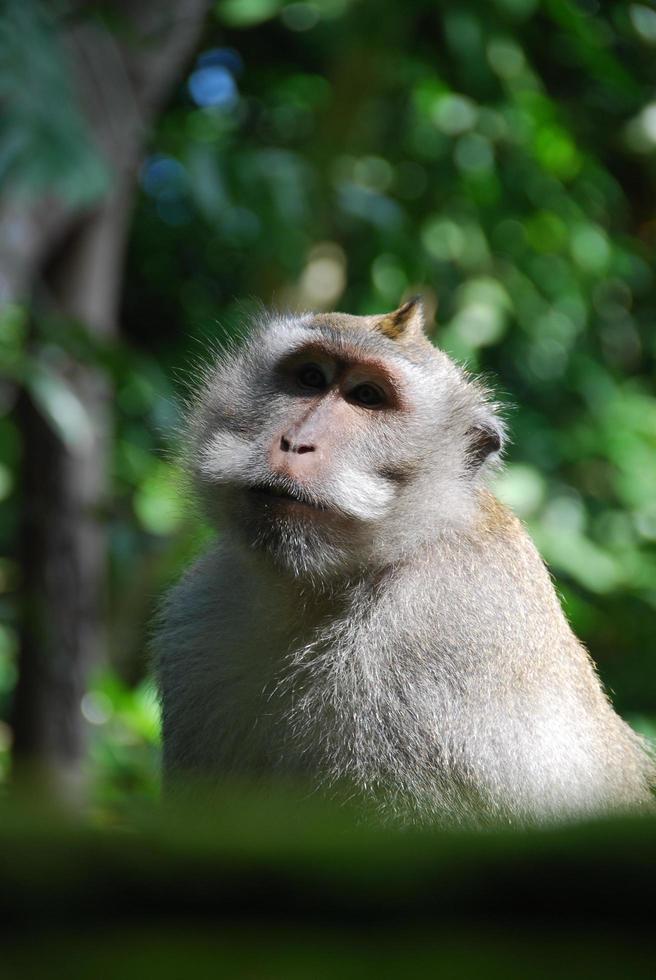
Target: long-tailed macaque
[371, 614]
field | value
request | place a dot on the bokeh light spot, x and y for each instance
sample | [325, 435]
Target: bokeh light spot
[590, 247]
[473, 153]
[565, 513]
[96, 708]
[547, 358]
[454, 114]
[645, 522]
[546, 232]
[213, 86]
[443, 238]
[648, 121]
[225, 57]
[162, 177]
[479, 325]
[522, 488]
[324, 278]
[247, 13]
[643, 20]
[373, 172]
[505, 57]
[388, 277]
[556, 152]
[300, 16]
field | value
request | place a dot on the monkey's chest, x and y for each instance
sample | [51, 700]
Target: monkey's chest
[253, 691]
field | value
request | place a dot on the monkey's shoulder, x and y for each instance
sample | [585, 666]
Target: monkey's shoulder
[483, 586]
[192, 595]
[197, 607]
[222, 612]
[495, 519]
[495, 547]
[501, 544]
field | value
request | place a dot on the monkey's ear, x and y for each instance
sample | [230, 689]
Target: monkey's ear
[406, 323]
[485, 440]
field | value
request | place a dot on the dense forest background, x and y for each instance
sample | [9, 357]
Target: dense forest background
[166, 167]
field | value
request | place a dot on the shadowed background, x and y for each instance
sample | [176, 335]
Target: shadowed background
[164, 167]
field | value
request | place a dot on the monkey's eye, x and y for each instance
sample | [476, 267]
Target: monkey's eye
[367, 395]
[311, 376]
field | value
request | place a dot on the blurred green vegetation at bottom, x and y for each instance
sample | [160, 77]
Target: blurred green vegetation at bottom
[271, 883]
[262, 953]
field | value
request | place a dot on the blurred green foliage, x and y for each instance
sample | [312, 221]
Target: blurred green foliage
[44, 144]
[496, 156]
[277, 885]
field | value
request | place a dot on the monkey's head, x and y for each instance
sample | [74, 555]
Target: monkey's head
[332, 442]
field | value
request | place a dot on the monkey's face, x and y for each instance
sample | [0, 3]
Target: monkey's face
[327, 443]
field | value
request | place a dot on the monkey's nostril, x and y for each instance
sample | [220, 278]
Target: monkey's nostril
[293, 447]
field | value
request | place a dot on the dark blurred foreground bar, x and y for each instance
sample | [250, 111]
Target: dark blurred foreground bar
[257, 886]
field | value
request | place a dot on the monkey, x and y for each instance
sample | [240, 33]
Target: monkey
[371, 615]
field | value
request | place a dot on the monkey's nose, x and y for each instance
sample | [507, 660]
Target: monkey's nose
[291, 446]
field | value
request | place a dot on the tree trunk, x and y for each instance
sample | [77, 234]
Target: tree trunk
[74, 260]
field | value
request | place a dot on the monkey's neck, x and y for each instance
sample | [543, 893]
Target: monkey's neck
[293, 595]
[329, 596]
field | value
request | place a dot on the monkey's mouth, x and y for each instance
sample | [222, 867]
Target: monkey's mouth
[284, 496]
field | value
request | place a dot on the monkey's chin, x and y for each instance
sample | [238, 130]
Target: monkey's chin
[300, 539]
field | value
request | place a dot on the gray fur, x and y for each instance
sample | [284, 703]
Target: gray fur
[412, 647]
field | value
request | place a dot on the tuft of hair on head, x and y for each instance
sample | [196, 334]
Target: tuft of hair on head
[405, 324]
